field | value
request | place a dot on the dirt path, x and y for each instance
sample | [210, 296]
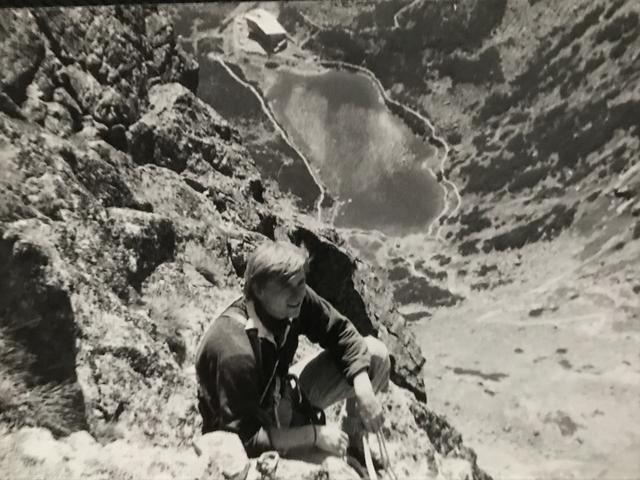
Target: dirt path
[396, 23]
[285, 136]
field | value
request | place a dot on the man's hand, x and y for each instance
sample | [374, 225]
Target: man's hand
[369, 405]
[332, 439]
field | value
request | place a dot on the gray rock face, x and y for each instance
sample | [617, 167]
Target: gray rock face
[95, 61]
[34, 453]
[21, 52]
[226, 451]
[183, 134]
[168, 137]
[148, 238]
[85, 87]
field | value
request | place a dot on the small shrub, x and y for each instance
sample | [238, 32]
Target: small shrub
[206, 263]
[108, 432]
[56, 406]
[169, 323]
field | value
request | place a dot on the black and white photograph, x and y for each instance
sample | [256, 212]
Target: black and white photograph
[320, 240]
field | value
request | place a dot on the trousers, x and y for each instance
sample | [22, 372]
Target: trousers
[324, 384]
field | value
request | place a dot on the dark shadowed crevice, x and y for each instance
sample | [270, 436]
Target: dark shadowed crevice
[22, 51]
[17, 91]
[155, 247]
[267, 226]
[36, 316]
[41, 20]
[330, 276]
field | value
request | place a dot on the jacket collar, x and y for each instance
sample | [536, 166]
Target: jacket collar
[254, 323]
[267, 326]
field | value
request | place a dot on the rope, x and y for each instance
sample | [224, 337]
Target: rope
[367, 459]
[382, 444]
[384, 454]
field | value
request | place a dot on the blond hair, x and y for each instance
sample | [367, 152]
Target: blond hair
[273, 260]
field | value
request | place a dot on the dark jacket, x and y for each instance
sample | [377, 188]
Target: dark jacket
[231, 379]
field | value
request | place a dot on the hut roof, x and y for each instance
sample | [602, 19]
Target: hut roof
[266, 21]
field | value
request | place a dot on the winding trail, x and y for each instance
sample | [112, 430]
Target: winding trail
[396, 25]
[318, 27]
[268, 112]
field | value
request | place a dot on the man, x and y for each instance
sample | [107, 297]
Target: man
[243, 361]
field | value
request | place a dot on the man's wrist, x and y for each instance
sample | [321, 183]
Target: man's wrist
[362, 384]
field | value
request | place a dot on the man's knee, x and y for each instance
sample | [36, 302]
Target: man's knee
[380, 363]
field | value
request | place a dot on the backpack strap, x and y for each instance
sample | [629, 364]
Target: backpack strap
[255, 344]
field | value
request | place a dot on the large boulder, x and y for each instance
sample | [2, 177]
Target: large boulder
[34, 453]
[111, 44]
[183, 134]
[178, 127]
[36, 180]
[60, 64]
[226, 451]
[149, 240]
[37, 332]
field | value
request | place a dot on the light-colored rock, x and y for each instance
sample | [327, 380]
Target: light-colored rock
[33, 453]
[455, 469]
[167, 137]
[86, 88]
[338, 469]
[61, 96]
[134, 461]
[58, 119]
[226, 450]
[112, 108]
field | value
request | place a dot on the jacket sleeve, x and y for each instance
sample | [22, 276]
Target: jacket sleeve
[240, 411]
[323, 324]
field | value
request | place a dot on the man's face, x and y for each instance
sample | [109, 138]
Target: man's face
[283, 299]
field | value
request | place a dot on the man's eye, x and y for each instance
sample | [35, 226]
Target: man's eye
[295, 284]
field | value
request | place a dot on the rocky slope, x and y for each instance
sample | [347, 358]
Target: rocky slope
[539, 102]
[126, 210]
